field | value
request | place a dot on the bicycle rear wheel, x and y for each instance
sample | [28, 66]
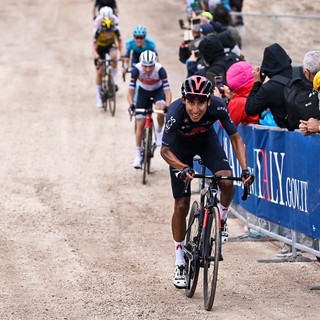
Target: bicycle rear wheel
[192, 240]
[111, 95]
[103, 93]
[146, 153]
[211, 258]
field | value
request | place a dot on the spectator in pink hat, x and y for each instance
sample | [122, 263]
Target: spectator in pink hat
[240, 81]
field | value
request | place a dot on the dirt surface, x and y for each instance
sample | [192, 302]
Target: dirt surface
[80, 236]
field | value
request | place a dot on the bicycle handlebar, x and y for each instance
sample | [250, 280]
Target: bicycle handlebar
[216, 178]
[149, 111]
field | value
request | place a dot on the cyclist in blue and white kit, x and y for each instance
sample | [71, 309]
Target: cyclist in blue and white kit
[137, 44]
[153, 83]
[188, 132]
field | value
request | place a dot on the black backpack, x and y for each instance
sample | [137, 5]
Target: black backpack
[301, 101]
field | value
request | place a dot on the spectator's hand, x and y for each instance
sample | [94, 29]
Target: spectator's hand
[192, 57]
[227, 92]
[256, 74]
[217, 93]
[310, 126]
[303, 127]
[313, 125]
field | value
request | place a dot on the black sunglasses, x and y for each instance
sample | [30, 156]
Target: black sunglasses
[202, 98]
[139, 37]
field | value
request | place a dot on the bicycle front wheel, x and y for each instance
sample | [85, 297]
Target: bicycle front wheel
[146, 153]
[150, 150]
[111, 95]
[211, 258]
[191, 250]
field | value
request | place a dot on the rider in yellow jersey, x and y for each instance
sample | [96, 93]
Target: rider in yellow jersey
[106, 39]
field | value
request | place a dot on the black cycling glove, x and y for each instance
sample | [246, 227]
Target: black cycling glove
[183, 173]
[246, 174]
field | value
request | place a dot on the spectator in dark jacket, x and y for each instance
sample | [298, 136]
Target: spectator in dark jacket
[212, 51]
[270, 94]
[222, 15]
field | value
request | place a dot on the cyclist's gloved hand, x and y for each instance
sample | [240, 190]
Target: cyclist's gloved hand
[131, 108]
[183, 174]
[245, 174]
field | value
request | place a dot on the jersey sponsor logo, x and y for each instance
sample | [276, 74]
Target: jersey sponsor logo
[185, 120]
[170, 123]
[149, 81]
[195, 131]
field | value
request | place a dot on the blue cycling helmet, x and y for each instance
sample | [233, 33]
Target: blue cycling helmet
[140, 31]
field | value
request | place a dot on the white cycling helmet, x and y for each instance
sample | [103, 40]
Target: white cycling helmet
[106, 12]
[148, 58]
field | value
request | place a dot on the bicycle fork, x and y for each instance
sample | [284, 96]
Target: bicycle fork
[148, 125]
[205, 230]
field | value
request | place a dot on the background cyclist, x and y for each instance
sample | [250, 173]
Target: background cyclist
[188, 132]
[106, 39]
[105, 12]
[137, 44]
[153, 83]
[98, 4]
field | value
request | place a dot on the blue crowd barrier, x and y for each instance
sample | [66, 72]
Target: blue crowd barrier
[286, 190]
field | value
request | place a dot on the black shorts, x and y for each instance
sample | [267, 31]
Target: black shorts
[103, 50]
[208, 147]
[144, 98]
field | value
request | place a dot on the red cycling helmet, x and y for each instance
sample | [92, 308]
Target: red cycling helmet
[197, 85]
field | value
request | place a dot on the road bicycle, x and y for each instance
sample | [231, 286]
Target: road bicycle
[108, 86]
[203, 247]
[148, 138]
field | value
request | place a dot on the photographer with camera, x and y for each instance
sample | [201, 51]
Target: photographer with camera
[240, 81]
[217, 62]
[270, 94]
[192, 38]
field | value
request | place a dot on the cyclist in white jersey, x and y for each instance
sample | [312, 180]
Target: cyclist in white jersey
[153, 83]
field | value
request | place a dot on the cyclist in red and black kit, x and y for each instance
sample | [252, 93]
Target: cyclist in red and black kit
[188, 132]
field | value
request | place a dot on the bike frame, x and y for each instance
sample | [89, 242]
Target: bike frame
[148, 134]
[108, 84]
[203, 246]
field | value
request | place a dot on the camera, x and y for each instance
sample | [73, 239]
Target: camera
[197, 53]
[195, 21]
[181, 24]
[262, 76]
[219, 83]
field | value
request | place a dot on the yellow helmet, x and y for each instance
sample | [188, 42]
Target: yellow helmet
[107, 23]
[316, 81]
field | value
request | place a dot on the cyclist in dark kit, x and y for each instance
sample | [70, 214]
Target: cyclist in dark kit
[188, 132]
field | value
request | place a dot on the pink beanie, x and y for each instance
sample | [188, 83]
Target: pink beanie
[238, 75]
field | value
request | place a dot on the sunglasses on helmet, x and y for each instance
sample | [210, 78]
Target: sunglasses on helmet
[202, 98]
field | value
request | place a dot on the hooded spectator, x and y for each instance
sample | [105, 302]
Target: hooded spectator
[271, 93]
